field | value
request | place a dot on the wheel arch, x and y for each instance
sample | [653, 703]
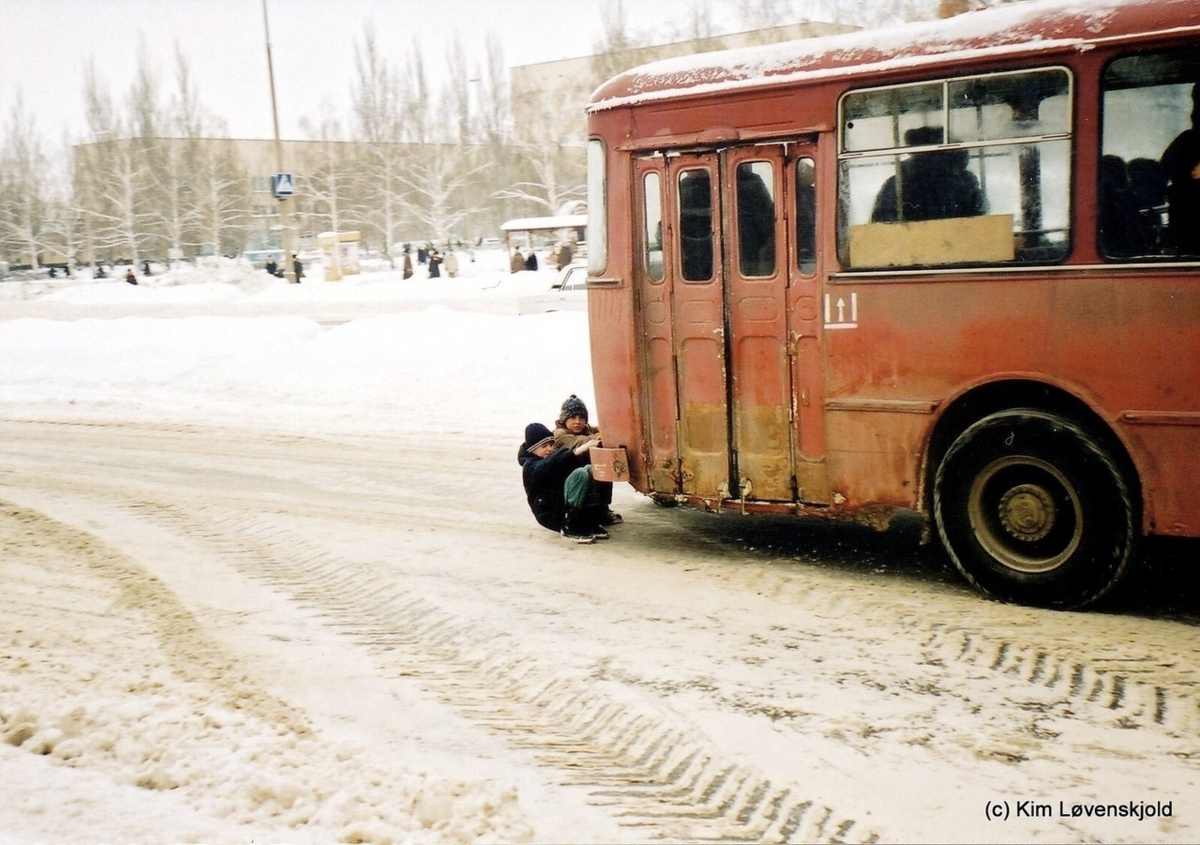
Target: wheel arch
[972, 405]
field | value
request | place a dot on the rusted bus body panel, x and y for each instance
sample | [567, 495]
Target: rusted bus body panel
[1128, 348]
[616, 374]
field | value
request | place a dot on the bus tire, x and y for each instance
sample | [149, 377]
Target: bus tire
[1033, 509]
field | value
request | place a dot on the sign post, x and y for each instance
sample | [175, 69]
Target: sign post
[283, 180]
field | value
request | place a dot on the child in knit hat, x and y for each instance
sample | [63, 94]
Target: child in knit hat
[571, 428]
[570, 431]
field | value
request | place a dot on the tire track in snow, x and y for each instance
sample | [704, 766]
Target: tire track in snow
[652, 772]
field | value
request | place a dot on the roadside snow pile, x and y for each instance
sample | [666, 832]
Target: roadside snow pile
[211, 280]
[290, 371]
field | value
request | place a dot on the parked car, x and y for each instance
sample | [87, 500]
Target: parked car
[568, 293]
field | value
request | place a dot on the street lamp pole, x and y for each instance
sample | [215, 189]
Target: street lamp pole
[285, 209]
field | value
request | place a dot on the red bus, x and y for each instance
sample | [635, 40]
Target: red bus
[950, 268]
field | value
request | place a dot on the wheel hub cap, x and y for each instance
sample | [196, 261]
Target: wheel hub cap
[1027, 512]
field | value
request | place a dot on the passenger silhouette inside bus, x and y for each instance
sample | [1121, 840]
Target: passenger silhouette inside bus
[1181, 164]
[931, 185]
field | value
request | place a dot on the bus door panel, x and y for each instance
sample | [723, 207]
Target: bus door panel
[660, 404]
[756, 281]
[699, 324]
[804, 266]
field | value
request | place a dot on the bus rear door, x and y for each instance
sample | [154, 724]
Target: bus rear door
[731, 393]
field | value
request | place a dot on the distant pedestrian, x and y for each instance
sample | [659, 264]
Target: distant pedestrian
[531, 263]
[435, 264]
[517, 264]
[297, 267]
[565, 254]
[129, 277]
[408, 268]
[451, 263]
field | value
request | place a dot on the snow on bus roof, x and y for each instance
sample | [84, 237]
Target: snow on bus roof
[1020, 27]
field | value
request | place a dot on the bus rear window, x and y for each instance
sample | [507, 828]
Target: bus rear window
[961, 171]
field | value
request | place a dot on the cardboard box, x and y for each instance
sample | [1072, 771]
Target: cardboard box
[610, 464]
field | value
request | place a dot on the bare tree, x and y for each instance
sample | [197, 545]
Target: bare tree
[111, 178]
[558, 169]
[435, 167]
[377, 123]
[416, 98]
[326, 182]
[176, 160]
[23, 171]
[436, 175]
[220, 198]
[495, 97]
[456, 98]
[617, 41]
[764, 14]
[64, 226]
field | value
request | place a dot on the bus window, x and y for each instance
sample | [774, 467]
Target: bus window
[652, 234]
[977, 169]
[756, 218]
[597, 236]
[1149, 199]
[695, 225]
[806, 217]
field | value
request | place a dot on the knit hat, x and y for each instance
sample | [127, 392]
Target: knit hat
[535, 435]
[573, 407]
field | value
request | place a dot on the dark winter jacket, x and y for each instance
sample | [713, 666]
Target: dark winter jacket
[544, 479]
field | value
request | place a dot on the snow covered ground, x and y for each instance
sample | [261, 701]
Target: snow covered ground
[265, 362]
[317, 353]
[269, 577]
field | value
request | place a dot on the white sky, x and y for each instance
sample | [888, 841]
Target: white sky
[47, 43]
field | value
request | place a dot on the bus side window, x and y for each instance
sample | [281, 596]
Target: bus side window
[1149, 196]
[806, 217]
[756, 218]
[695, 225]
[970, 170]
[652, 221]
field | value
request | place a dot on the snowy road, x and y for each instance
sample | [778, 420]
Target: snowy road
[695, 677]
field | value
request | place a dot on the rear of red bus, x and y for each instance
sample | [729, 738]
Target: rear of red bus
[784, 321]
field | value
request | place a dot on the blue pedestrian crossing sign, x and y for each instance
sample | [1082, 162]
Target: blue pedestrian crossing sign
[283, 185]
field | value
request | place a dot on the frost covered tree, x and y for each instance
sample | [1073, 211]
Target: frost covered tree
[221, 200]
[377, 122]
[553, 154]
[24, 167]
[327, 183]
[111, 178]
[63, 227]
[436, 167]
[176, 161]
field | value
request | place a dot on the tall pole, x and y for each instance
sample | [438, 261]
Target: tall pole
[285, 208]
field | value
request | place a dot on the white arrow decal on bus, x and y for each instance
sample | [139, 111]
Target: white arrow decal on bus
[841, 322]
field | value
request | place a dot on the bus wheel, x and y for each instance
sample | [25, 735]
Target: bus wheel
[1033, 509]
